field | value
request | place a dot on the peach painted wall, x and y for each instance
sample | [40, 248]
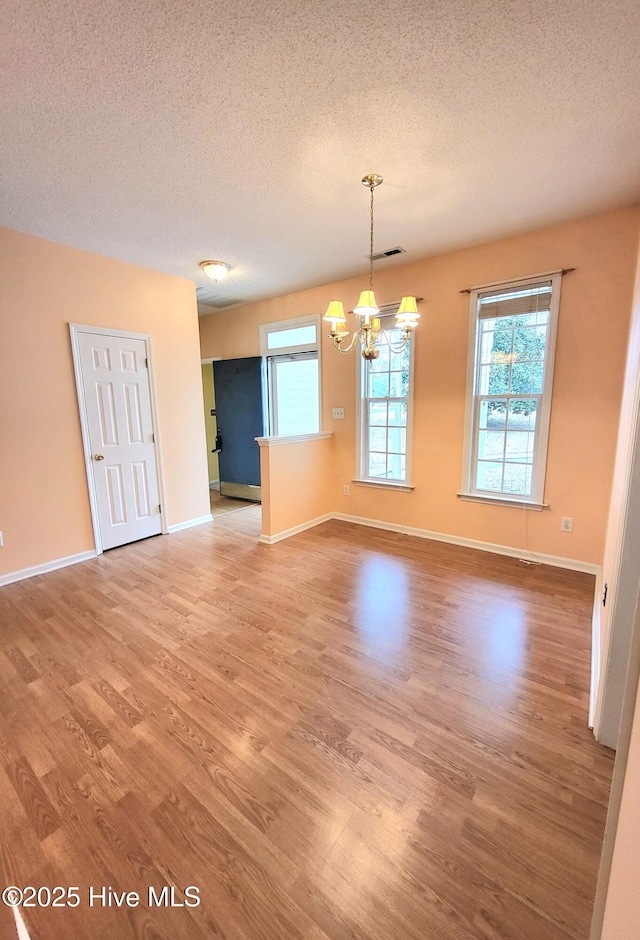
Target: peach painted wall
[295, 480]
[44, 506]
[593, 329]
[622, 908]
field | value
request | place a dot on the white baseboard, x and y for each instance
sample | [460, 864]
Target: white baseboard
[214, 484]
[556, 561]
[48, 566]
[189, 524]
[272, 539]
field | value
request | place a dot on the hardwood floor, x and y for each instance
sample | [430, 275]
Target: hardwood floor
[223, 504]
[350, 735]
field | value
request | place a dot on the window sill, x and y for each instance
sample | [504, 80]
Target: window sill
[292, 438]
[502, 501]
[386, 485]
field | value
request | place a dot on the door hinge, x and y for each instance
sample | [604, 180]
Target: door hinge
[153, 438]
[146, 363]
[159, 507]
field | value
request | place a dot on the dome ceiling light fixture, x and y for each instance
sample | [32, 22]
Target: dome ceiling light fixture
[216, 270]
[370, 332]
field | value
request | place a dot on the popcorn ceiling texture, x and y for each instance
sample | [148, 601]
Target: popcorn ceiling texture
[163, 133]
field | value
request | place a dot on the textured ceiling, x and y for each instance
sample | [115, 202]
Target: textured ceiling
[163, 133]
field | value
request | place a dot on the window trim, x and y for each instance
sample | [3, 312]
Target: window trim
[360, 477]
[539, 464]
[268, 396]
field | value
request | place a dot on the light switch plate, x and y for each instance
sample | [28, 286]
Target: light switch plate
[337, 413]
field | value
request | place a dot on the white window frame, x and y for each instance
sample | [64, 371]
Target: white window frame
[362, 424]
[269, 399]
[473, 400]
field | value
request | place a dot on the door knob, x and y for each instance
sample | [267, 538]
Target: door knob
[98, 457]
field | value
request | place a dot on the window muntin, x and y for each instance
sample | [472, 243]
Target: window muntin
[514, 329]
[291, 377]
[385, 411]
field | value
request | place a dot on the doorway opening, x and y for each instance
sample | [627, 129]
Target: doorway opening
[232, 391]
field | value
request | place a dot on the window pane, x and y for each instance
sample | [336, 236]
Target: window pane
[494, 380]
[502, 346]
[378, 384]
[296, 396]
[394, 467]
[398, 384]
[378, 439]
[377, 465]
[489, 476]
[493, 413]
[520, 446]
[381, 364]
[517, 480]
[397, 440]
[530, 342]
[491, 445]
[397, 414]
[527, 377]
[377, 412]
[298, 336]
[522, 414]
[398, 362]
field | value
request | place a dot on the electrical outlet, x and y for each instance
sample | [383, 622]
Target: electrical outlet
[566, 524]
[347, 490]
[337, 413]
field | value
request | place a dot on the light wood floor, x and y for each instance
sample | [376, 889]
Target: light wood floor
[350, 735]
[223, 504]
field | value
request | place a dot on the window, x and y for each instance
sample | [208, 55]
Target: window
[512, 336]
[385, 411]
[290, 350]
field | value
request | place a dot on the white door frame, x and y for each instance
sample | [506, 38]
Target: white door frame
[75, 329]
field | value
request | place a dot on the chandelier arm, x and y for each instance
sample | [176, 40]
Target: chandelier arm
[345, 350]
[397, 348]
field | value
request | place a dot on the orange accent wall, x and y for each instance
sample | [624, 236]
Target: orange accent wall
[595, 310]
[44, 505]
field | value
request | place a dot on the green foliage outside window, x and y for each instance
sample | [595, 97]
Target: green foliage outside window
[517, 362]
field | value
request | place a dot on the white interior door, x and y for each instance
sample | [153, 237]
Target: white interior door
[119, 419]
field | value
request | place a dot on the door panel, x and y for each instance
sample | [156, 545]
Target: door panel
[238, 393]
[115, 380]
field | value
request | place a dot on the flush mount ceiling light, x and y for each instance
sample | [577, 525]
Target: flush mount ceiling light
[216, 270]
[370, 332]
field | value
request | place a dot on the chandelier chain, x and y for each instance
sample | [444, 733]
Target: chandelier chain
[371, 187]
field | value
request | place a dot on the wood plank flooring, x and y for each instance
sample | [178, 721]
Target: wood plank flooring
[351, 735]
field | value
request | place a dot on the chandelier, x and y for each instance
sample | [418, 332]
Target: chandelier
[370, 333]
